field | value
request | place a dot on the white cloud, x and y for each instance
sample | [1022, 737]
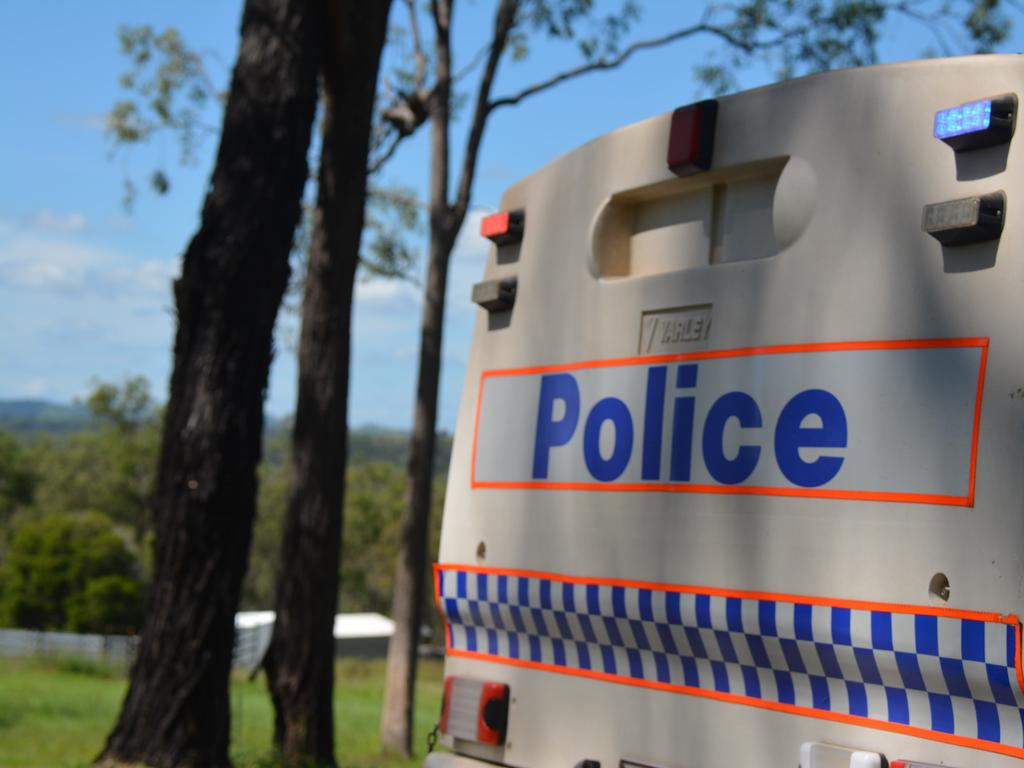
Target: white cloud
[469, 258]
[96, 121]
[44, 264]
[120, 222]
[36, 387]
[470, 245]
[60, 223]
[45, 222]
[383, 291]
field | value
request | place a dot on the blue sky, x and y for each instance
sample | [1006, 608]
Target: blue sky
[85, 287]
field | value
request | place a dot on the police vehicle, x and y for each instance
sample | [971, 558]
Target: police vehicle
[738, 478]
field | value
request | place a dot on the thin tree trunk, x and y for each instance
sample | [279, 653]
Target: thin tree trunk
[407, 601]
[445, 221]
[234, 273]
[300, 659]
[406, 606]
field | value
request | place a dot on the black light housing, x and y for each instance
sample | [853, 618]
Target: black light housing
[495, 295]
[966, 220]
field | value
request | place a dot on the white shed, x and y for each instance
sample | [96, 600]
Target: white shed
[363, 635]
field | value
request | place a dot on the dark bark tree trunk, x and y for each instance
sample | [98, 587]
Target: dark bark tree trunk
[300, 660]
[234, 273]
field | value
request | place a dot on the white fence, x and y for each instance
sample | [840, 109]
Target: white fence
[250, 644]
[116, 650]
[357, 634]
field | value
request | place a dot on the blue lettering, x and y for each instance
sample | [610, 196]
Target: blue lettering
[654, 411]
[740, 406]
[682, 425]
[559, 410]
[614, 410]
[790, 437]
[551, 433]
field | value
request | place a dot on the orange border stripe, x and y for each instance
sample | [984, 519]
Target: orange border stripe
[782, 597]
[735, 698]
[746, 490]
[977, 422]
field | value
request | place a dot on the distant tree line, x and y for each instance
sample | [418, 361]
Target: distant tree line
[76, 537]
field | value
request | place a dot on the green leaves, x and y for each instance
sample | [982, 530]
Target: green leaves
[167, 92]
[597, 36]
[392, 221]
[107, 604]
[797, 37]
[17, 478]
[70, 572]
[803, 36]
[65, 566]
[987, 25]
[110, 467]
[126, 407]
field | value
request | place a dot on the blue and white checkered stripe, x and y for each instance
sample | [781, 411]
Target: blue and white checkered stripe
[944, 674]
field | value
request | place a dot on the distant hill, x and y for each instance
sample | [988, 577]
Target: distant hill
[35, 416]
[376, 444]
[367, 444]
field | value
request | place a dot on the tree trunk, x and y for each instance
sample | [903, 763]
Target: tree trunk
[234, 273]
[407, 601]
[300, 660]
[410, 570]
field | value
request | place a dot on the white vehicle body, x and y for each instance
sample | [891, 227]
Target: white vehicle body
[742, 469]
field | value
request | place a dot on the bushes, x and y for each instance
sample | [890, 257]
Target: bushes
[108, 605]
[70, 572]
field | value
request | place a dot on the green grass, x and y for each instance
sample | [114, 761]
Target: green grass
[56, 713]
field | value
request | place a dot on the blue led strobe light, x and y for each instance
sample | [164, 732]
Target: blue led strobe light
[967, 118]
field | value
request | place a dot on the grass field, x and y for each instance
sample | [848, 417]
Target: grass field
[56, 713]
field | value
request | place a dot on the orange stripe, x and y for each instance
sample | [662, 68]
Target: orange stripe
[1017, 658]
[440, 608]
[792, 709]
[714, 354]
[746, 490]
[859, 605]
[977, 423]
[476, 431]
[733, 490]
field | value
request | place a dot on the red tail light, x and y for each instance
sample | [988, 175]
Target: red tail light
[692, 137]
[475, 710]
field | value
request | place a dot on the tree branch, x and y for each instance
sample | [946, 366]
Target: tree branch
[595, 66]
[932, 25]
[383, 158]
[417, 44]
[504, 20]
[438, 110]
[705, 26]
[473, 63]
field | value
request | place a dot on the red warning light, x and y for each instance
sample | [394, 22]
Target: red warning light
[475, 710]
[692, 137]
[493, 717]
[503, 228]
